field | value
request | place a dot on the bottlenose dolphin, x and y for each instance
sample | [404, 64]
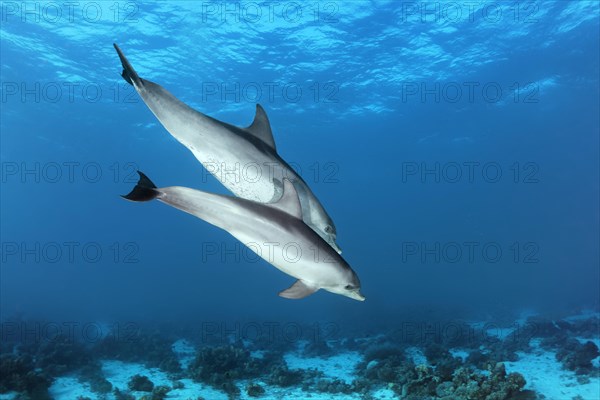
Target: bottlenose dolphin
[226, 151]
[274, 231]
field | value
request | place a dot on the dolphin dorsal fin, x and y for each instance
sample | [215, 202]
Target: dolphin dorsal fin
[289, 201]
[261, 128]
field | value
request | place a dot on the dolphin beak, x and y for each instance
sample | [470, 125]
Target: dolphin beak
[333, 244]
[358, 296]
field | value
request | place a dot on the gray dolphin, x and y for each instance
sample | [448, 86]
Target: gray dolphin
[274, 231]
[226, 151]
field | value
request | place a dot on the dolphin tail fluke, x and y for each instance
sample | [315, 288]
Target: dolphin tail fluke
[145, 190]
[128, 73]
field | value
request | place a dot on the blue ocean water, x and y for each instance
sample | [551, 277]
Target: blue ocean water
[454, 144]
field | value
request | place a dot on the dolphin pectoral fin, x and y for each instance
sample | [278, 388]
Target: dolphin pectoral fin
[261, 128]
[298, 290]
[144, 190]
[289, 201]
[128, 73]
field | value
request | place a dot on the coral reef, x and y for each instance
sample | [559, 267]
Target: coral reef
[93, 375]
[383, 352]
[119, 395]
[577, 356]
[18, 373]
[255, 390]
[101, 386]
[159, 393]
[453, 368]
[152, 349]
[317, 348]
[559, 336]
[478, 359]
[281, 375]
[58, 355]
[333, 386]
[383, 363]
[445, 364]
[140, 383]
[221, 366]
[178, 385]
[496, 386]
[447, 380]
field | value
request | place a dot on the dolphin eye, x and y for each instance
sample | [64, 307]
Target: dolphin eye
[349, 287]
[328, 229]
